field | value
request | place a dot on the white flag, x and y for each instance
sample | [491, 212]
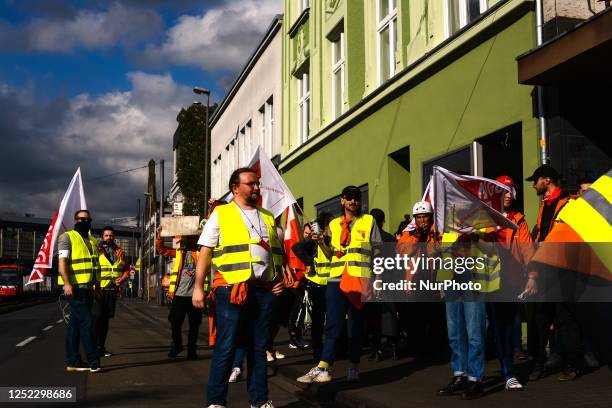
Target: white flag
[73, 200]
[275, 195]
[467, 203]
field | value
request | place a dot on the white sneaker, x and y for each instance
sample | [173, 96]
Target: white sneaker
[269, 356]
[265, 405]
[353, 375]
[278, 355]
[236, 375]
[316, 374]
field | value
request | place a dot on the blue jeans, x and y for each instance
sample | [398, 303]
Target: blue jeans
[248, 326]
[239, 357]
[80, 328]
[466, 322]
[502, 316]
[336, 306]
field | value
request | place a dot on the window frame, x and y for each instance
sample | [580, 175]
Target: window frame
[389, 21]
[463, 15]
[338, 65]
[303, 106]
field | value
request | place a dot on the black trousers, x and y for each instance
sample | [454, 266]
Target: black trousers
[569, 334]
[181, 306]
[296, 316]
[102, 311]
[540, 315]
[316, 294]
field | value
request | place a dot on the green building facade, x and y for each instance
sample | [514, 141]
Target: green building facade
[376, 92]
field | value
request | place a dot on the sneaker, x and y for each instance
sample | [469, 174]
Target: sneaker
[269, 356]
[456, 384]
[174, 351]
[512, 384]
[94, 368]
[236, 375]
[104, 353]
[267, 404]
[353, 375]
[473, 390]
[590, 361]
[568, 374]
[301, 343]
[79, 367]
[278, 355]
[316, 375]
[293, 343]
[537, 373]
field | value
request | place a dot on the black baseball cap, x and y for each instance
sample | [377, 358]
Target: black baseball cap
[544, 170]
[350, 192]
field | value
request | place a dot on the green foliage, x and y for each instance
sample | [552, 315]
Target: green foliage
[190, 158]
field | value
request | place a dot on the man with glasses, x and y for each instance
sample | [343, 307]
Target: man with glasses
[240, 241]
[354, 239]
[78, 272]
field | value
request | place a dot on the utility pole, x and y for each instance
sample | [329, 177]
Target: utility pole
[161, 267]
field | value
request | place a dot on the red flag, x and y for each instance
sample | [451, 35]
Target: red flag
[293, 234]
[74, 200]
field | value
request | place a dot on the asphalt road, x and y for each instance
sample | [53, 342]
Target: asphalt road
[139, 374]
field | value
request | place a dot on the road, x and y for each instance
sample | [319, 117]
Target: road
[139, 374]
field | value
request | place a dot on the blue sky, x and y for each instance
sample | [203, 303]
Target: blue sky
[98, 84]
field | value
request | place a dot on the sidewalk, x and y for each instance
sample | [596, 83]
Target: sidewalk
[397, 383]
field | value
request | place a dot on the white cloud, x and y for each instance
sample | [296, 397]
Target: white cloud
[86, 29]
[103, 134]
[222, 38]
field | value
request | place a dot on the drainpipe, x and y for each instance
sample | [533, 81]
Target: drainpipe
[540, 88]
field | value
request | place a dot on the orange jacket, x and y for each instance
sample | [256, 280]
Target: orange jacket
[410, 243]
[520, 250]
[562, 201]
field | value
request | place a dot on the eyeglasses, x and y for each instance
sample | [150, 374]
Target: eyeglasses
[83, 219]
[252, 184]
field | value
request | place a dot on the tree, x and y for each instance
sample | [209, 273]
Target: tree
[190, 170]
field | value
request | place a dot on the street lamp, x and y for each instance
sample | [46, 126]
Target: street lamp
[203, 91]
[149, 196]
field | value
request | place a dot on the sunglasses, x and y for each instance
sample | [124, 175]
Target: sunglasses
[83, 219]
[351, 197]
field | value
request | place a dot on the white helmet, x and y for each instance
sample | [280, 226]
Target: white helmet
[421, 207]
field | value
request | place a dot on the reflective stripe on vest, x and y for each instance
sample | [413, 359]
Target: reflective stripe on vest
[233, 255]
[358, 255]
[590, 216]
[178, 260]
[322, 268]
[488, 277]
[109, 272]
[84, 267]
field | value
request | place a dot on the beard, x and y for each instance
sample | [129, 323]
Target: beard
[253, 198]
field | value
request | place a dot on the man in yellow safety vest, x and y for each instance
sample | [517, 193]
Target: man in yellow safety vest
[78, 271]
[114, 270]
[242, 240]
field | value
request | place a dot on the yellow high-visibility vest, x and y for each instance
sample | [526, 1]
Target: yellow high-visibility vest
[109, 272]
[178, 260]
[358, 255]
[488, 277]
[84, 266]
[322, 268]
[232, 257]
[590, 216]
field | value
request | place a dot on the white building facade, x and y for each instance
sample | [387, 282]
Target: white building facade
[249, 115]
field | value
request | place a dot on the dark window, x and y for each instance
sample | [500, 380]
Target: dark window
[458, 161]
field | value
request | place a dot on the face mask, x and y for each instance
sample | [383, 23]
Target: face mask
[82, 227]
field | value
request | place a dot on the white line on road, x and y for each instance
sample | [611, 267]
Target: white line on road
[48, 328]
[26, 341]
[59, 321]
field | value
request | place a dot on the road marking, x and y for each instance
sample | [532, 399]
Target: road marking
[26, 341]
[48, 328]
[59, 321]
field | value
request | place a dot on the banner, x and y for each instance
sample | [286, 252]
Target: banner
[293, 235]
[463, 204]
[74, 200]
[275, 195]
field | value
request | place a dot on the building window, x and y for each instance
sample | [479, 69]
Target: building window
[460, 13]
[337, 58]
[303, 107]
[266, 121]
[386, 42]
[270, 125]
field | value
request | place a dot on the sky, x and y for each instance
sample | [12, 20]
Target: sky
[98, 85]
